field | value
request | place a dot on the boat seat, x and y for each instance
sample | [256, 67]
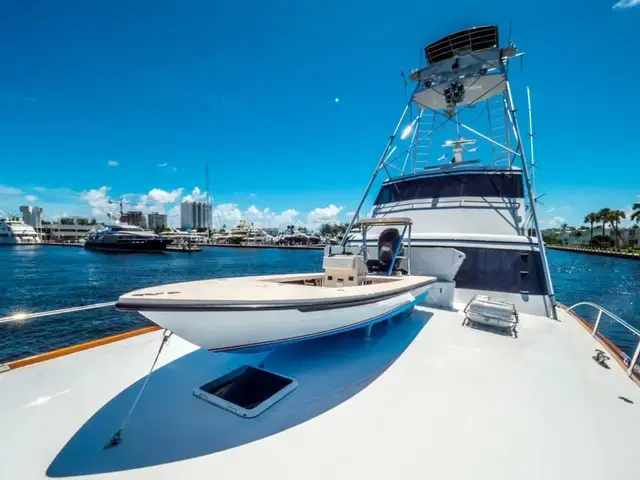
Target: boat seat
[388, 242]
[491, 312]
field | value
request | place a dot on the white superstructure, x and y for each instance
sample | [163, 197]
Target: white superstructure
[474, 192]
[14, 231]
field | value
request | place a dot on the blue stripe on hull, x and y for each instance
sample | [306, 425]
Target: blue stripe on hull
[255, 348]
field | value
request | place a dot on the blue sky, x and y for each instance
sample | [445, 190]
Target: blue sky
[103, 99]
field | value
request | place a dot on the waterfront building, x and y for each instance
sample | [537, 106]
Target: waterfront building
[134, 218]
[156, 220]
[31, 215]
[65, 232]
[273, 231]
[194, 215]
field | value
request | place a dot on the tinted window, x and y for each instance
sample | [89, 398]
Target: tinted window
[504, 185]
[496, 270]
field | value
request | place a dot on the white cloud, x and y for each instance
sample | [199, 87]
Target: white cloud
[252, 194]
[196, 196]
[31, 198]
[112, 163]
[287, 217]
[165, 164]
[351, 214]
[5, 190]
[319, 216]
[626, 4]
[173, 216]
[174, 169]
[158, 195]
[551, 209]
[98, 200]
[555, 222]
[226, 214]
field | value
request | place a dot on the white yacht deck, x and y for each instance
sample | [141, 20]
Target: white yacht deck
[452, 402]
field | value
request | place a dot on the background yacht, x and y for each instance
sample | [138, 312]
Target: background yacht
[180, 236]
[13, 231]
[126, 238]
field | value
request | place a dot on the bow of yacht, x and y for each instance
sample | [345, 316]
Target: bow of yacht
[488, 378]
[423, 396]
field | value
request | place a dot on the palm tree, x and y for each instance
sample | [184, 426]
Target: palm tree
[591, 218]
[563, 227]
[602, 217]
[636, 213]
[614, 217]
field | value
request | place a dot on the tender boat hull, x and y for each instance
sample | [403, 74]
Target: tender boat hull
[256, 330]
[248, 324]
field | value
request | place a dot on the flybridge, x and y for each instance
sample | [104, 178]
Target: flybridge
[464, 87]
[456, 160]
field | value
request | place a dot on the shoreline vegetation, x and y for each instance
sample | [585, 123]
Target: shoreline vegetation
[615, 241]
[632, 254]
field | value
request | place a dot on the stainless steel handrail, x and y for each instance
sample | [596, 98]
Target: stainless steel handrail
[22, 316]
[613, 316]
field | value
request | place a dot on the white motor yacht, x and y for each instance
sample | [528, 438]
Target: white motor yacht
[491, 379]
[13, 231]
[123, 238]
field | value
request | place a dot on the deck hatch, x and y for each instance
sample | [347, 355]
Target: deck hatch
[246, 391]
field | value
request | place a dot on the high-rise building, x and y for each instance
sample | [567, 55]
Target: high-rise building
[156, 220]
[31, 215]
[194, 215]
[134, 218]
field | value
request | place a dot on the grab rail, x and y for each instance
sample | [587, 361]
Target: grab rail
[22, 316]
[613, 316]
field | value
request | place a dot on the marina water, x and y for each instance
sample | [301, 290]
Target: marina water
[42, 278]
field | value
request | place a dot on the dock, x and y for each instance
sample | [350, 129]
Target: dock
[57, 244]
[198, 247]
[597, 251]
[282, 247]
[183, 248]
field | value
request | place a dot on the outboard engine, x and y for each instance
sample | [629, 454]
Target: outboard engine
[388, 242]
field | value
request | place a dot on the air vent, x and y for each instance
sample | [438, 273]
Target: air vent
[246, 391]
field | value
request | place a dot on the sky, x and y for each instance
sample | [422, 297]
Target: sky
[289, 103]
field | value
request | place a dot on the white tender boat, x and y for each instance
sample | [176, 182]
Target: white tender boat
[249, 313]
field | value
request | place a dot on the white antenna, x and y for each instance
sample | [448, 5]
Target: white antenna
[533, 161]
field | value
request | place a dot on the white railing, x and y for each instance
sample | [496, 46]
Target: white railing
[613, 316]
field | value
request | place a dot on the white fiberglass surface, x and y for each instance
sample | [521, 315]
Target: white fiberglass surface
[428, 397]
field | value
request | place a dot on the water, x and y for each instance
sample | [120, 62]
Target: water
[47, 277]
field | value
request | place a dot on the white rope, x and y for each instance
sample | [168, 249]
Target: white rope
[117, 437]
[21, 316]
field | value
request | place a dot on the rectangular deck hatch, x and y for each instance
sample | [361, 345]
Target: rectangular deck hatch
[246, 391]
